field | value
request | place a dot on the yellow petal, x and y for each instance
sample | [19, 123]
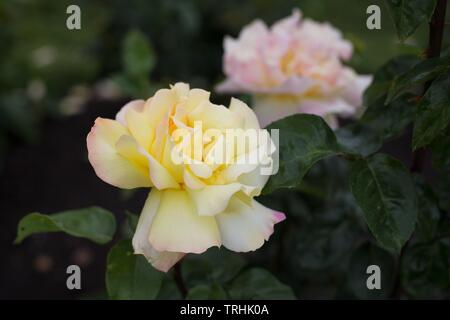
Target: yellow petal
[140, 127]
[214, 116]
[161, 260]
[212, 200]
[178, 228]
[137, 105]
[109, 165]
[240, 108]
[244, 227]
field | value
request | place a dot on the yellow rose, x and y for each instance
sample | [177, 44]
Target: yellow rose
[202, 196]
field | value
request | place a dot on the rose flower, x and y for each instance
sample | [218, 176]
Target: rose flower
[296, 66]
[197, 201]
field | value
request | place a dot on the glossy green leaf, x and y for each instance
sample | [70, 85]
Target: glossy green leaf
[385, 192]
[421, 72]
[138, 56]
[409, 14]
[255, 284]
[130, 276]
[304, 140]
[433, 112]
[383, 77]
[207, 292]
[389, 120]
[364, 256]
[359, 139]
[92, 223]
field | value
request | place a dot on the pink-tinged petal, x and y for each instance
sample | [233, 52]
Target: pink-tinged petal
[109, 165]
[289, 24]
[229, 86]
[253, 33]
[177, 227]
[323, 107]
[161, 260]
[137, 105]
[354, 87]
[270, 108]
[246, 224]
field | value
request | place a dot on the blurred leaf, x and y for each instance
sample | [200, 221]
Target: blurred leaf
[214, 266]
[364, 256]
[421, 72]
[130, 224]
[207, 292]
[409, 14]
[138, 55]
[385, 74]
[443, 189]
[256, 284]
[169, 289]
[389, 120]
[92, 223]
[429, 213]
[385, 192]
[321, 246]
[18, 116]
[433, 112]
[304, 140]
[130, 276]
[136, 87]
[358, 139]
[426, 271]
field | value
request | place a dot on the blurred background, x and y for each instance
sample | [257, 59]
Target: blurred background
[54, 82]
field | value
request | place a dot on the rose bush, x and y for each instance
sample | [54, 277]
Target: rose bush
[193, 205]
[296, 66]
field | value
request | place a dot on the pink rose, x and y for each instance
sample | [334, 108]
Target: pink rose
[296, 66]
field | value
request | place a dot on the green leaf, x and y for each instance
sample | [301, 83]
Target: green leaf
[207, 292]
[137, 54]
[385, 192]
[92, 223]
[130, 276]
[214, 266]
[433, 112]
[321, 246]
[429, 213]
[365, 255]
[385, 74]
[169, 289]
[426, 271]
[130, 224]
[409, 14]
[389, 120]
[304, 140]
[255, 284]
[359, 139]
[421, 72]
